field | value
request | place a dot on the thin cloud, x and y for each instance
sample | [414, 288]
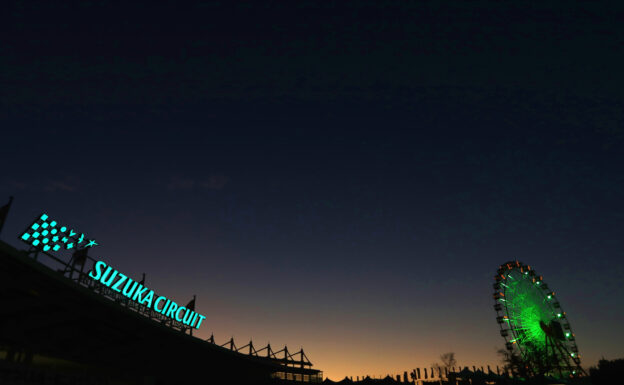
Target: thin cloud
[216, 182]
[16, 185]
[58, 185]
[180, 184]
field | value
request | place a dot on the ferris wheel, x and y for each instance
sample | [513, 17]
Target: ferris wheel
[533, 323]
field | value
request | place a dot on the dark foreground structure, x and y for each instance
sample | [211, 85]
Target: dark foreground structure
[55, 327]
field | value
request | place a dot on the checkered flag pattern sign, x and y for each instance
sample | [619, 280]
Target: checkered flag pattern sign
[48, 234]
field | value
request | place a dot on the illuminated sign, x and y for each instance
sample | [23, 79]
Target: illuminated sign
[47, 234]
[135, 291]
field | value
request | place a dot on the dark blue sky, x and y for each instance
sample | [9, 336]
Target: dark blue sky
[331, 176]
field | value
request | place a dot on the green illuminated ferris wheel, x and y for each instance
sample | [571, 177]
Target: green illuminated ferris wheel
[533, 323]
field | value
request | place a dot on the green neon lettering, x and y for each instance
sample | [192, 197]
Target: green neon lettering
[194, 319]
[98, 270]
[137, 294]
[166, 306]
[148, 298]
[177, 314]
[112, 277]
[172, 309]
[201, 318]
[126, 292]
[156, 303]
[188, 317]
[117, 284]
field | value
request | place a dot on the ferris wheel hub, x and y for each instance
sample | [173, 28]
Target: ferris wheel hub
[547, 329]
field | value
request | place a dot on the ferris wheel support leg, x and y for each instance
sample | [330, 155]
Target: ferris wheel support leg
[565, 353]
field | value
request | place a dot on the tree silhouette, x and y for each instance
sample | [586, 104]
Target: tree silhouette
[607, 372]
[448, 362]
[534, 363]
[513, 363]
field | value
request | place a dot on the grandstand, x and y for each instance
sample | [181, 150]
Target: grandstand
[57, 322]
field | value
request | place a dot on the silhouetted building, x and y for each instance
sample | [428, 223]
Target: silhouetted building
[55, 320]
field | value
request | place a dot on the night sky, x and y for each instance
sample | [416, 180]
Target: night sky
[344, 177]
